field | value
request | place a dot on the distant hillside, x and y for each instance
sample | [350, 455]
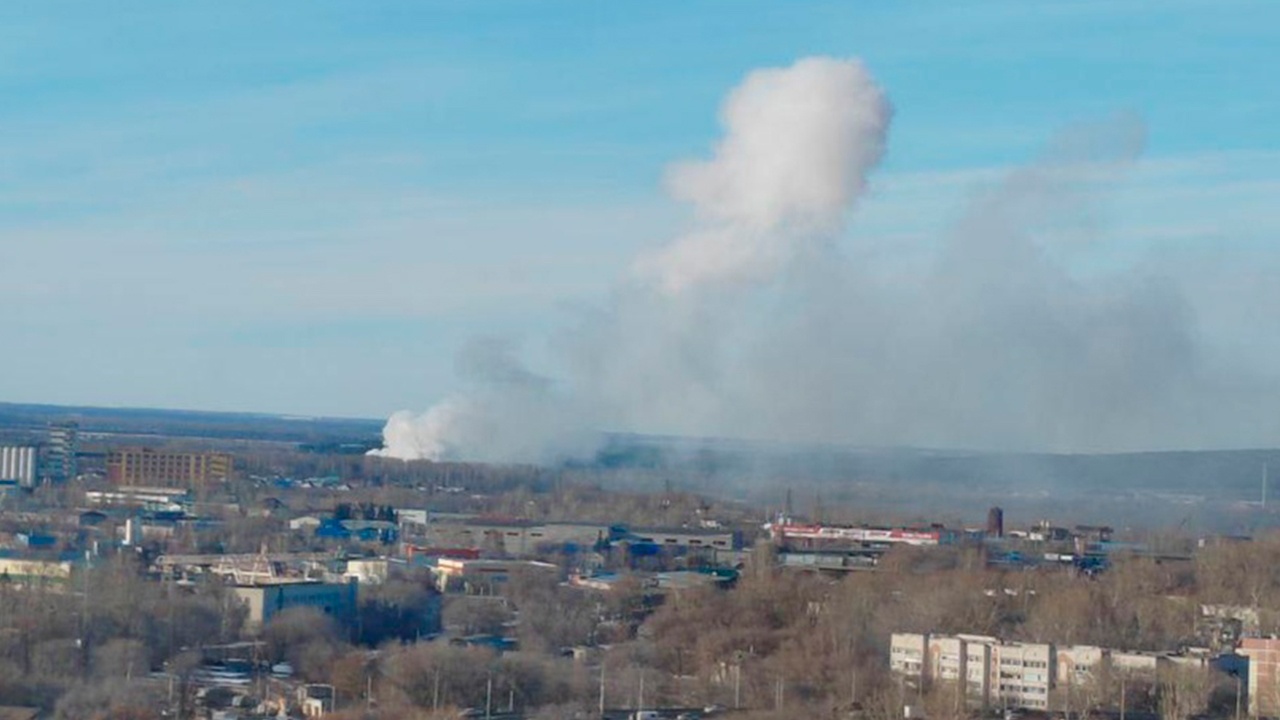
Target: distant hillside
[24, 419]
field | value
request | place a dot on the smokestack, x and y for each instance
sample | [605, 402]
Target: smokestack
[995, 522]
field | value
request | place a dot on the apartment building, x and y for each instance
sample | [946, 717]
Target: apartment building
[907, 654]
[145, 466]
[993, 673]
[1026, 672]
[1011, 675]
[1078, 664]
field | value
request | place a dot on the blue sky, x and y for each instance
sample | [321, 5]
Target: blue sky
[307, 207]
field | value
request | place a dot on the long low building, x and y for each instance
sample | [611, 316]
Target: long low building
[27, 569]
[815, 534]
[524, 537]
[464, 574]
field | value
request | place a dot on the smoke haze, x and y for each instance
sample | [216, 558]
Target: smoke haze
[757, 324]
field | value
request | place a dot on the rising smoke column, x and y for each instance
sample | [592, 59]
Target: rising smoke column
[1018, 334]
[798, 144]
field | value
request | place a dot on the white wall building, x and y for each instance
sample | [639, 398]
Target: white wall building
[1014, 674]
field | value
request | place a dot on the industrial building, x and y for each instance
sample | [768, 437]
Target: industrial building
[523, 537]
[155, 499]
[816, 535]
[474, 574]
[145, 466]
[266, 599]
[18, 464]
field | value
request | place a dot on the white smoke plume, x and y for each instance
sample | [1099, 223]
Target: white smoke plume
[798, 145]
[755, 324]
[507, 413]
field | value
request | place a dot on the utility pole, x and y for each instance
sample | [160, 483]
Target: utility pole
[1122, 697]
[1264, 486]
[84, 617]
[737, 686]
[435, 691]
[488, 697]
[640, 696]
[602, 686]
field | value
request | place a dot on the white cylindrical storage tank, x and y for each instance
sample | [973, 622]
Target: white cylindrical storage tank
[28, 466]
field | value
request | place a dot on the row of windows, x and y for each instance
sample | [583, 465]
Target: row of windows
[1016, 662]
[1025, 689]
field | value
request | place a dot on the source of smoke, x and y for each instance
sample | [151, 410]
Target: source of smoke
[755, 325]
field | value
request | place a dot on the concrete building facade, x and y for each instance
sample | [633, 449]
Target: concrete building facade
[267, 599]
[144, 466]
[60, 454]
[1024, 675]
[989, 672]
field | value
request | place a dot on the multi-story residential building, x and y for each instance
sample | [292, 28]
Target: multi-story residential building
[1078, 664]
[978, 669]
[144, 466]
[60, 454]
[1025, 672]
[907, 654]
[992, 673]
[970, 659]
[1024, 675]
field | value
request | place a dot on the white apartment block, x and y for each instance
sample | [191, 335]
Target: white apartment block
[993, 673]
[996, 673]
[907, 654]
[1026, 673]
[1002, 674]
[1078, 664]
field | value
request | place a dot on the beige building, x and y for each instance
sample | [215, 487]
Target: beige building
[1264, 675]
[1024, 675]
[466, 574]
[145, 466]
[1078, 664]
[1026, 672]
[993, 673]
[907, 653]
